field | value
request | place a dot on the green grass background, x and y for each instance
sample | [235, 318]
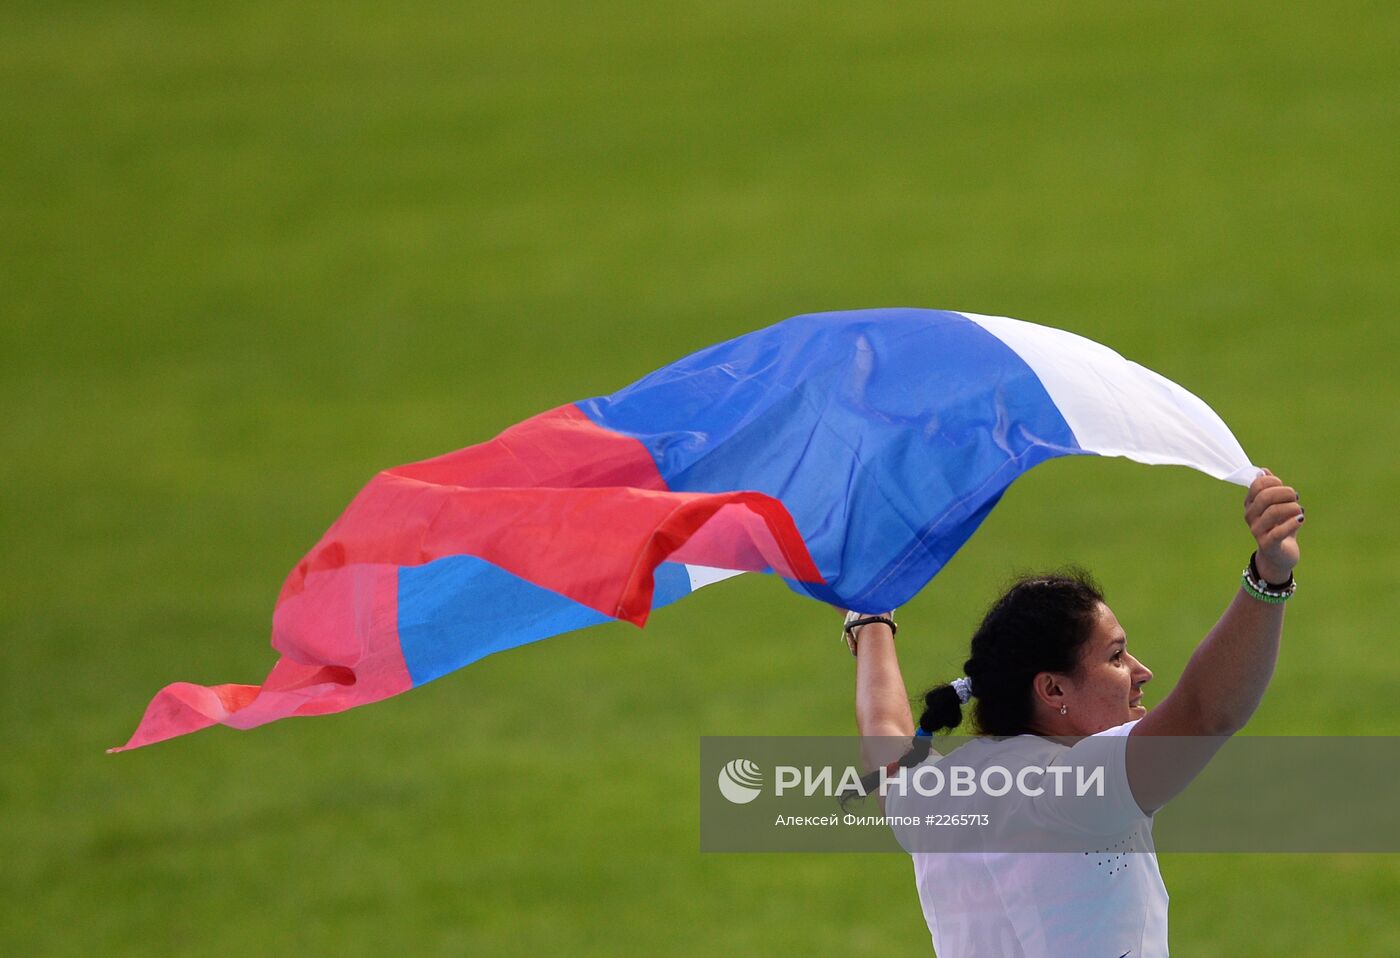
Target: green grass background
[254, 252]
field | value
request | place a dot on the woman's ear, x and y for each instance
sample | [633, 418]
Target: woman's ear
[1048, 689]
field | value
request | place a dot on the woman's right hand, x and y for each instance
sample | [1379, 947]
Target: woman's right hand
[1274, 514]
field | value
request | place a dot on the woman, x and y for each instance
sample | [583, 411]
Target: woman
[1050, 662]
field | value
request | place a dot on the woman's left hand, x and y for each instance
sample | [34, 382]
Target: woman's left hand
[1274, 514]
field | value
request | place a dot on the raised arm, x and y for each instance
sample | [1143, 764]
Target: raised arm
[882, 703]
[1225, 679]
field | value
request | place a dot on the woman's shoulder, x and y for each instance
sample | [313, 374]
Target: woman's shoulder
[984, 749]
[1028, 745]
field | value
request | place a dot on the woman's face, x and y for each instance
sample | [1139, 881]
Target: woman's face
[1106, 691]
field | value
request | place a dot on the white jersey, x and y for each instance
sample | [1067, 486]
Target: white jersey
[1104, 902]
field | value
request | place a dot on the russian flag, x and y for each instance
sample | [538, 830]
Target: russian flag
[850, 453]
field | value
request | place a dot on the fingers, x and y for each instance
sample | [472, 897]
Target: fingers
[1273, 541]
[1276, 522]
[1266, 480]
[1266, 497]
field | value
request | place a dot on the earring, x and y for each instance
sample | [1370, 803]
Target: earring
[1063, 709]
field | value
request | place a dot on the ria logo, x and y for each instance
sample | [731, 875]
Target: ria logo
[740, 781]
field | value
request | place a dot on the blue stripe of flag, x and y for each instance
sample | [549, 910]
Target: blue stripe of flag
[458, 609]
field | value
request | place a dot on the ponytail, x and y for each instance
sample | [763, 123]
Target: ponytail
[942, 710]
